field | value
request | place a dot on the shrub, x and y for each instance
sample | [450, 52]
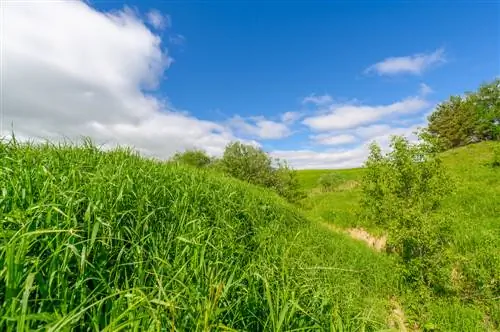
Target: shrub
[197, 158]
[329, 181]
[402, 191]
[253, 165]
[286, 182]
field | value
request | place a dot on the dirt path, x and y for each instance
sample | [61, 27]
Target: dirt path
[396, 320]
[376, 243]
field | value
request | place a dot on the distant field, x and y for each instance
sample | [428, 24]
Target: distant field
[309, 178]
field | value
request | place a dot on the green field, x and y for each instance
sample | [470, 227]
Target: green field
[474, 208]
[109, 241]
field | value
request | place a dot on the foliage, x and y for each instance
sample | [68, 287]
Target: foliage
[401, 192]
[472, 118]
[253, 165]
[286, 182]
[197, 158]
[108, 241]
[330, 181]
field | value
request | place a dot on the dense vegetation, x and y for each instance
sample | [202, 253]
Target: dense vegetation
[108, 241]
[250, 164]
[472, 118]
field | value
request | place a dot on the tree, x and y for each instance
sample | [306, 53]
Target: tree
[195, 157]
[486, 106]
[469, 119]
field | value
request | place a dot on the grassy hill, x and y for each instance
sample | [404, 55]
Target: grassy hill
[473, 208]
[108, 241]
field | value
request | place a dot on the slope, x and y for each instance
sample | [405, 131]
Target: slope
[474, 252]
[108, 241]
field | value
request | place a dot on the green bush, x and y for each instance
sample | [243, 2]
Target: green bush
[402, 191]
[330, 181]
[253, 165]
[197, 158]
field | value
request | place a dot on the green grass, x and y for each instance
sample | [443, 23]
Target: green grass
[474, 211]
[108, 241]
[308, 179]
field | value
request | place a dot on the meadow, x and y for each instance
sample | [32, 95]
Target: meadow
[109, 241]
[473, 252]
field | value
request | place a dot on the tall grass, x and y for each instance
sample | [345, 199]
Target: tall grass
[108, 241]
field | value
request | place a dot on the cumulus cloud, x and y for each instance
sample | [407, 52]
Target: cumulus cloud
[71, 71]
[351, 116]
[309, 159]
[412, 64]
[348, 157]
[371, 131]
[158, 20]
[329, 139]
[318, 100]
[259, 127]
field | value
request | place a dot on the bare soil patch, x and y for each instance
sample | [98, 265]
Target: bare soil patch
[376, 243]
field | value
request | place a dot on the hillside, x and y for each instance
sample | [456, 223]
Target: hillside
[475, 248]
[107, 241]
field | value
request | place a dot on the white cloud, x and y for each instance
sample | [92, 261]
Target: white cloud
[158, 20]
[347, 158]
[259, 127]
[308, 159]
[352, 116]
[290, 117]
[383, 139]
[71, 71]
[318, 100]
[328, 139]
[425, 89]
[412, 64]
[372, 131]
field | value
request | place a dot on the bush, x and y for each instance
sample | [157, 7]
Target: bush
[253, 165]
[197, 158]
[286, 182]
[330, 181]
[402, 191]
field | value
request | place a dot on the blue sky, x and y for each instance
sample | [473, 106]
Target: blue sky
[344, 73]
